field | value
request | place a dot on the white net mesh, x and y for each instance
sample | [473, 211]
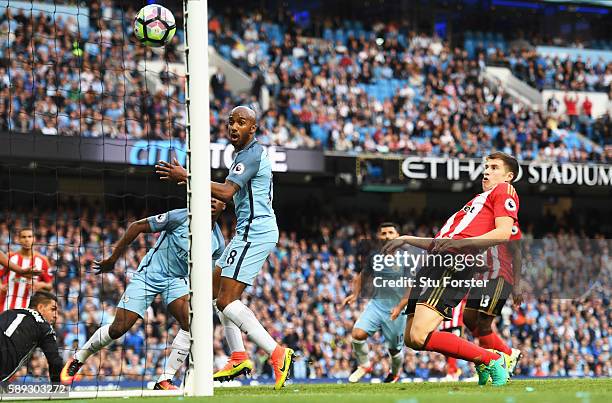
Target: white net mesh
[85, 111]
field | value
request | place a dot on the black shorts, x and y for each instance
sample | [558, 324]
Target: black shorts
[439, 294]
[490, 299]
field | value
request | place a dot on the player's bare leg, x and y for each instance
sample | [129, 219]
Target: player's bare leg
[408, 330]
[230, 305]
[480, 325]
[216, 281]
[424, 322]
[361, 350]
[239, 362]
[424, 336]
[179, 308]
[104, 336]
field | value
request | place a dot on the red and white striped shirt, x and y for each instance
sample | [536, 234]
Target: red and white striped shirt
[457, 318]
[500, 259]
[18, 287]
[478, 216]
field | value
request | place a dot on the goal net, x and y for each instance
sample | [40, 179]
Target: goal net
[85, 113]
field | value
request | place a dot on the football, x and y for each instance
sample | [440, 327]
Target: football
[154, 25]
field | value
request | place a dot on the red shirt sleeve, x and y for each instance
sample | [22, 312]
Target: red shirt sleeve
[505, 201]
[516, 235]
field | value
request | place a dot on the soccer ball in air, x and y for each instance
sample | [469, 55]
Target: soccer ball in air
[154, 25]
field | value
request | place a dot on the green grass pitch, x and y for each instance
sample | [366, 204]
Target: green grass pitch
[537, 391]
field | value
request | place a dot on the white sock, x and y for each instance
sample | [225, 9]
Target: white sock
[397, 361]
[96, 342]
[180, 351]
[233, 335]
[245, 319]
[361, 349]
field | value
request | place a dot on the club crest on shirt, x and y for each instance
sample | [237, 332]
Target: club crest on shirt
[161, 217]
[36, 315]
[514, 230]
[238, 169]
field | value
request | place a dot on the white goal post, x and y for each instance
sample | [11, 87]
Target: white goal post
[199, 378]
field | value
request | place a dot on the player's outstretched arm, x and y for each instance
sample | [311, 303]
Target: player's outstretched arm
[224, 191]
[45, 282]
[132, 232]
[54, 360]
[501, 234]
[355, 291]
[397, 309]
[397, 243]
[4, 261]
[171, 171]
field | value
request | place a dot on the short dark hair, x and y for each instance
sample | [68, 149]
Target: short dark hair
[25, 229]
[388, 224]
[510, 162]
[41, 297]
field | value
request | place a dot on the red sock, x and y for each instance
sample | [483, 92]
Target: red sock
[239, 356]
[451, 365]
[454, 346]
[492, 340]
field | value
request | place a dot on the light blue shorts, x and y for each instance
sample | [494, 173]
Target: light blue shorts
[243, 260]
[374, 319]
[146, 285]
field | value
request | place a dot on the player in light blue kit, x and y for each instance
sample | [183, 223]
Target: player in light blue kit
[239, 362]
[233, 335]
[376, 316]
[163, 271]
[217, 240]
[249, 184]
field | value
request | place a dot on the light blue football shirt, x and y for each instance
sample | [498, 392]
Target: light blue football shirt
[170, 253]
[252, 171]
[218, 243]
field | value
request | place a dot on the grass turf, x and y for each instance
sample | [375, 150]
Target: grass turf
[537, 391]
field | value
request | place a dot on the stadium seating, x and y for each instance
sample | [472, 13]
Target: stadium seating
[409, 99]
[415, 87]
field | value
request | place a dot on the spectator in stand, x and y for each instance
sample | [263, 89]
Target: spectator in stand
[587, 107]
[571, 108]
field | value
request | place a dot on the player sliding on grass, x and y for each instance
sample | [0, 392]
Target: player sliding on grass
[164, 271]
[249, 184]
[375, 317]
[485, 221]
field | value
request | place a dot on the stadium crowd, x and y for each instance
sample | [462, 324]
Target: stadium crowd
[383, 90]
[60, 77]
[299, 295]
[545, 72]
[389, 89]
